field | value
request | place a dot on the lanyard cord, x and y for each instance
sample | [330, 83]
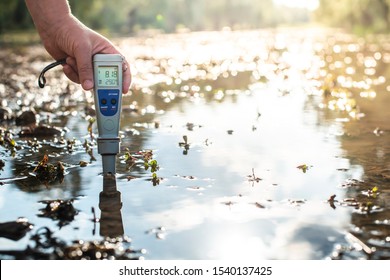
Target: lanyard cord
[42, 79]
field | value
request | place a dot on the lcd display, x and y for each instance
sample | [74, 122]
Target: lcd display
[108, 76]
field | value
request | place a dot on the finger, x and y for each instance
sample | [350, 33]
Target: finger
[84, 68]
[70, 69]
[126, 77]
[71, 74]
[71, 61]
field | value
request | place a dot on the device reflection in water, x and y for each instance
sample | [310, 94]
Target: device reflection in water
[110, 204]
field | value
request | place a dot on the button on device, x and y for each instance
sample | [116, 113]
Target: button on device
[109, 99]
[108, 124]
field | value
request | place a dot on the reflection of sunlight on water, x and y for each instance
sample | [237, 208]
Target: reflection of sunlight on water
[270, 127]
[279, 144]
[183, 215]
[1, 200]
[266, 121]
[237, 243]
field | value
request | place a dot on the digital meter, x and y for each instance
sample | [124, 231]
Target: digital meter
[108, 103]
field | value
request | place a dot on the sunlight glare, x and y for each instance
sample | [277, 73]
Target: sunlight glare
[309, 4]
[236, 243]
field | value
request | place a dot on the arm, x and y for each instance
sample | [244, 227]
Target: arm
[64, 36]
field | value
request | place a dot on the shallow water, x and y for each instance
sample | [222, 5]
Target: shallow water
[270, 138]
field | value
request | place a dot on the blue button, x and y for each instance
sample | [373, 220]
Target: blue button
[108, 101]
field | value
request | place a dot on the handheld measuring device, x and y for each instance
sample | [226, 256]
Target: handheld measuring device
[108, 102]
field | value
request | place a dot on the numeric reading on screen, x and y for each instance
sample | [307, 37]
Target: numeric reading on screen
[108, 76]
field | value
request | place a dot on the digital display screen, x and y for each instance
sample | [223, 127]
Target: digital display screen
[108, 76]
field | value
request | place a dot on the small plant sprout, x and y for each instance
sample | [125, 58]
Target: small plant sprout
[148, 162]
[129, 159]
[373, 192]
[91, 121]
[366, 207]
[89, 149]
[147, 155]
[7, 141]
[185, 145]
[155, 179]
[151, 163]
[253, 178]
[46, 172]
[153, 169]
[304, 167]
[332, 200]
[153, 166]
[70, 143]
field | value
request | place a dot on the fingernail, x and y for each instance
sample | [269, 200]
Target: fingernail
[87, 84]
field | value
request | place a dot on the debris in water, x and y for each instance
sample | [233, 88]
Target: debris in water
[159, 232]
[332, 200]
[15, 230]
[258, 205]
[48, 247]
[41, 131]
[47, 173]
[59, 210]
[26, 118]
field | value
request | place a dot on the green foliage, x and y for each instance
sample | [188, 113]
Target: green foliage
[154, 167]
[128, 16]
[359, 16]
[14, 15]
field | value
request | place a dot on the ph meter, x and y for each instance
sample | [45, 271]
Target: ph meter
[108, 103]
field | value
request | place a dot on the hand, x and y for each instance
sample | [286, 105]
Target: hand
[77, 43]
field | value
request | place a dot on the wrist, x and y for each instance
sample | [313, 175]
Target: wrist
[48, 15]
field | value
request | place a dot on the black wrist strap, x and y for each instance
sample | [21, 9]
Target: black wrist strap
[42, 79]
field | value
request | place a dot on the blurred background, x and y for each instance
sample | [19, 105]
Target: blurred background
[128, 17]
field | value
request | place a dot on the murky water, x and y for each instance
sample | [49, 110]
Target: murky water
[253, 132]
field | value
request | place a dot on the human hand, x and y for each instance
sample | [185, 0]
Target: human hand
[77, 43]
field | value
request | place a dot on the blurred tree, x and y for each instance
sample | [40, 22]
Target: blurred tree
[360, 16]
[14, 15]
[127, 16]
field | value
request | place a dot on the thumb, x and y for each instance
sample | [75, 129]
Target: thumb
[84, 69]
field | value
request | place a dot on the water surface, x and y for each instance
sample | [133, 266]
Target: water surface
[276, 122]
